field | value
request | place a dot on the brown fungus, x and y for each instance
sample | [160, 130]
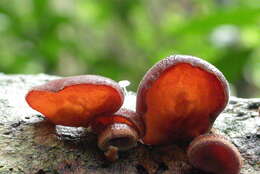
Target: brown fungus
[117, 132]
[179, 99]
[215, 154]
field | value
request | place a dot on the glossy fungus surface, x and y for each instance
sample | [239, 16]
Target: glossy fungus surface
[75, 101]
[214, 154]
[179, 98]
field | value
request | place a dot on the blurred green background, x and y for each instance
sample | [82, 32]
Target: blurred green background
[121, 39]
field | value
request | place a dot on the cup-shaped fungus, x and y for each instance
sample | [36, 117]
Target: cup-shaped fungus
[215, 154]
[89, 101]
[179, 98]
[75, 101]
[118, 132]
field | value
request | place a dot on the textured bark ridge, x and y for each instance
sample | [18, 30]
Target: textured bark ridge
[29, 144]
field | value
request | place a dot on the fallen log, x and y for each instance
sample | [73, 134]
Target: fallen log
[31, 145]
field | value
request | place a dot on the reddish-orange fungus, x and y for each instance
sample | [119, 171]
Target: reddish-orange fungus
[102, 122]
[180, 98]
[123, 116]
[75, 101]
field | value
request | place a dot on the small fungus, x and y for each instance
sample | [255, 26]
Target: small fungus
[122, 130]
[215, 154]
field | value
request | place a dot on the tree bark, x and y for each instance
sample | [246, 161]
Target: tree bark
[29, 144]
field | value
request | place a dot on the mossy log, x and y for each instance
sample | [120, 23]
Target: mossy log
[29, 144]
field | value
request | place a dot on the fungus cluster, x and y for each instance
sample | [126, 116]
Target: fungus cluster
[178, 100]
[89, 101]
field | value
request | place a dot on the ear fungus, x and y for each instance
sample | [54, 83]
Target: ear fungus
[179, 98]
[118, 132]
[214, 153]
[75, 101]
[89, 101]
